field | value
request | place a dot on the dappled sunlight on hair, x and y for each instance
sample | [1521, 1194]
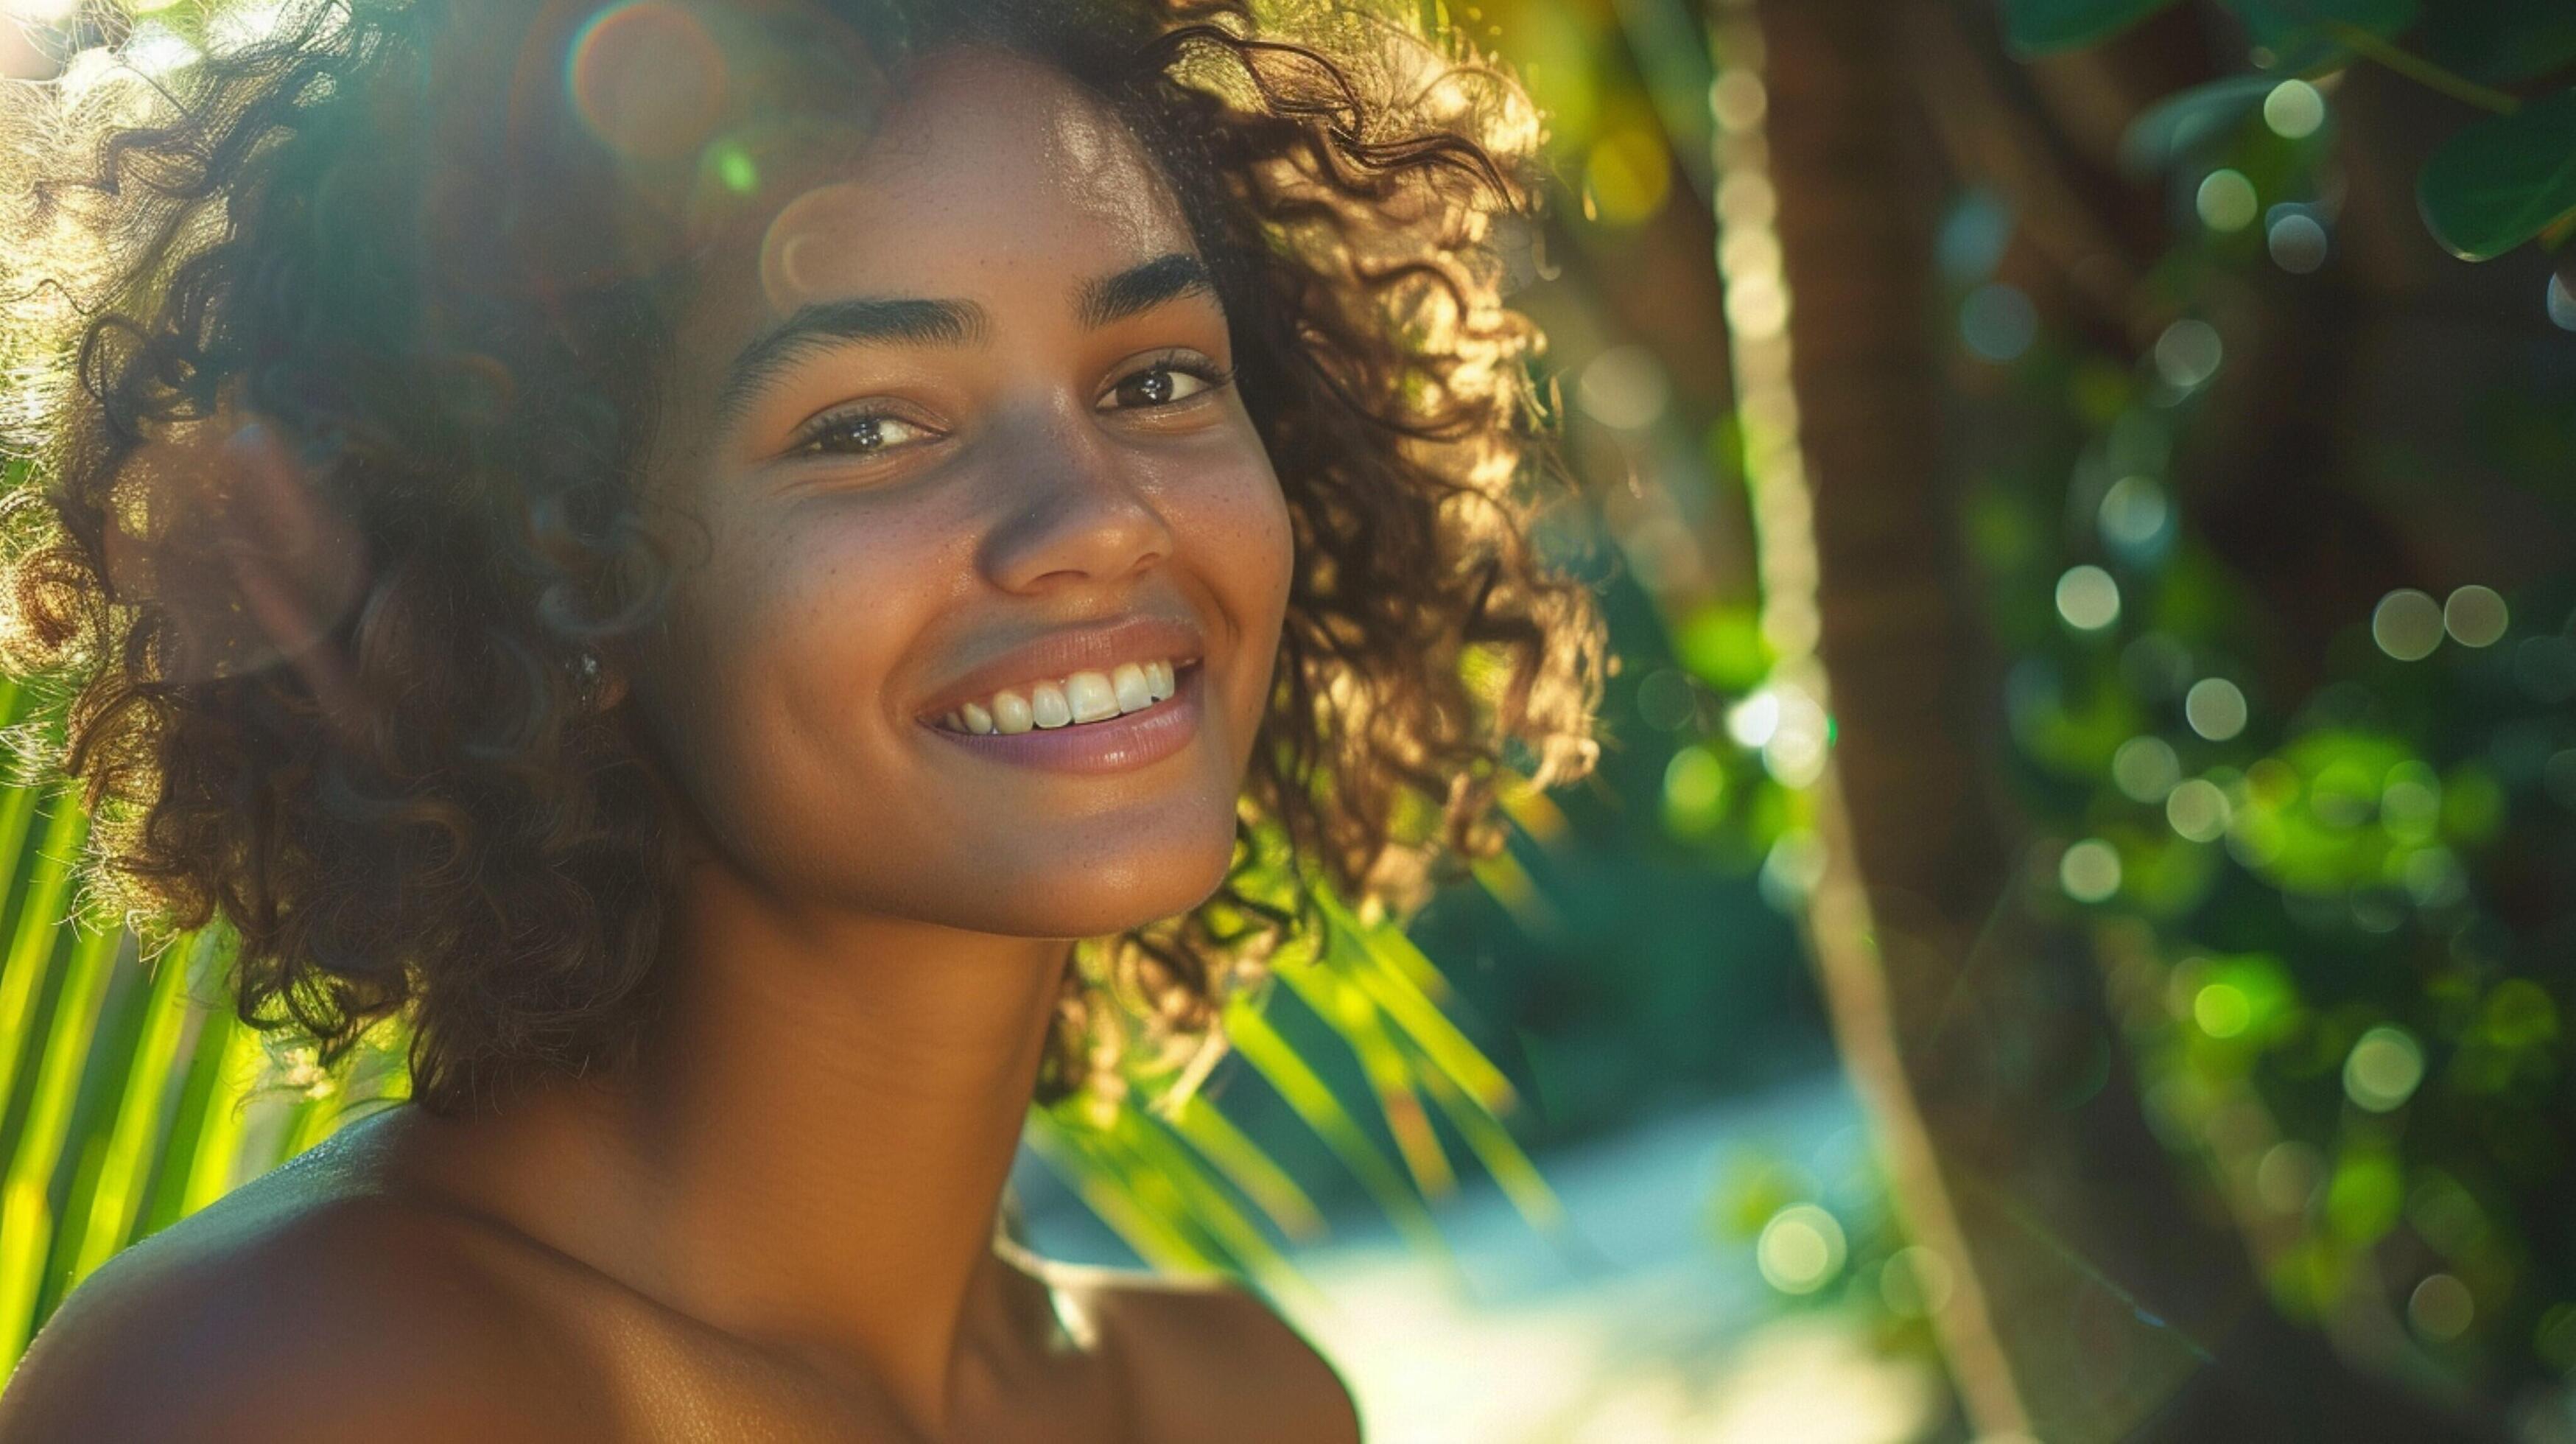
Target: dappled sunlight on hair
[413, 266]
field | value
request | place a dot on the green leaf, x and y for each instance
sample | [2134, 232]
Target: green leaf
[1150, 1149]
[2038, 27]
[214, 1153]
[1501, 1154]
[1074, 1154]
[2184, 122]
[1355, 1021]
[40, 909]
[1267, 1053]
[1249, 1169]
[2503, 180]
[309, 1122]
[119, 1196]
[26, 1210]
[1389, 967]
[2500, 41]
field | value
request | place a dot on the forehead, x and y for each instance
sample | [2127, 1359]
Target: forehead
[990, 171]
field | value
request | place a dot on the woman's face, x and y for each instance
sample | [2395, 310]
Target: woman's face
[955, 427]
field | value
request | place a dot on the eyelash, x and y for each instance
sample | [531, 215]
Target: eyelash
[810, 441]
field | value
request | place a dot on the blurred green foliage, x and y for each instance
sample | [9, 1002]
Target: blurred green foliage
[2332, 893]
[2329, 886]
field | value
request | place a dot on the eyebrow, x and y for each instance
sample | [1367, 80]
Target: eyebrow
[1141, 288]
[908, 321]
[821, 325]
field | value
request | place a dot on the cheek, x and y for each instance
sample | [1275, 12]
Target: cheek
[774, 653]
[1253, 559]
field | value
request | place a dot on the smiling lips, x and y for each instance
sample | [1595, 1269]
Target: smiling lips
[1120, 742]
[1083, 697]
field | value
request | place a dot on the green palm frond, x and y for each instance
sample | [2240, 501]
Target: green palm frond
[1380, 1002]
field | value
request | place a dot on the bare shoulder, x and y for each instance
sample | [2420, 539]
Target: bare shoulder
[1213, 1361]
[281, 1315]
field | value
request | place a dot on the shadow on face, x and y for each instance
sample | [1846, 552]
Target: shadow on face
[959, 395]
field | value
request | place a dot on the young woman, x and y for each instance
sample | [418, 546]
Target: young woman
[694, 551]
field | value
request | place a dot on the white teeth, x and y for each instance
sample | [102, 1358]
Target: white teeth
[1048, 706]
[1011, 713]
[1091, 696]
[1134, 692]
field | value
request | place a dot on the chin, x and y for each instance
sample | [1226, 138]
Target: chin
[1101, 895]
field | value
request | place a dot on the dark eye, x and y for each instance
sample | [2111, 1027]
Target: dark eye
[1166, 382]
[862, 434]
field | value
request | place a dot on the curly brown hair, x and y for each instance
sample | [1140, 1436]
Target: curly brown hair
[370, 246]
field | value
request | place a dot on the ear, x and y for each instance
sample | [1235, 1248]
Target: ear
[252, 565]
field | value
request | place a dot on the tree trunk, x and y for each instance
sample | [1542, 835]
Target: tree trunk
[2095, 1302]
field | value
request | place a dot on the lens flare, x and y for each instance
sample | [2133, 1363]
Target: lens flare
[647, 79]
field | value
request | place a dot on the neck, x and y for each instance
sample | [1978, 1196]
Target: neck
[812, 1150]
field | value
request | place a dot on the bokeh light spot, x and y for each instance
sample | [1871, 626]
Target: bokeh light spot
[1801, 1249]
[2226, 201]
[2294, 110]
[1694, 792]
[1916, 1282]
[1974, 236]
[1794, 754]
[2090, 871]
[2134, 512]
[1757, 305]
[2188, 353]
[2088, 598]
[2561, 303]
[1624, 388]
[2221, 1010]
[2198, 810]
[1628, 176]
[2476, 616]
[2558, 777]
[2383, 1069]
[1747, 198]
[2434, 879]
[2410, 805]
[2554, 1337]
[2441, 1308]
[1792, 869]
[1752, 721]
[736, 169]
[2407, 625]
[2215, 708]
[2298, 241]
[2146, 769]
[1998, 322]
[1668, 699]
[1737, 99]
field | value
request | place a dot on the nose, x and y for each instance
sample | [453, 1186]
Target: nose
[1077, 515]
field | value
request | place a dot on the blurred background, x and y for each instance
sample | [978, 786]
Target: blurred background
[2068, 938]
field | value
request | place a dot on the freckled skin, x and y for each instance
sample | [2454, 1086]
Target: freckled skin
[1036, 509]
[782, 1226]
